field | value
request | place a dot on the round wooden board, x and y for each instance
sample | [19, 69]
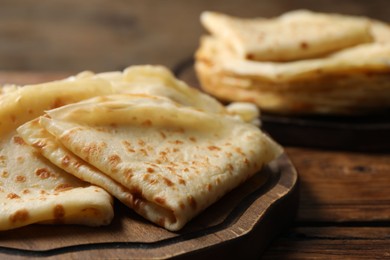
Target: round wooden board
[352, 133]
[241, 224]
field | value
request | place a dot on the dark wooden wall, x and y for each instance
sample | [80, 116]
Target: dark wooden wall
[100, 35]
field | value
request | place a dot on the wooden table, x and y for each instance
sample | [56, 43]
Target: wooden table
[344, 210]
[344, 207]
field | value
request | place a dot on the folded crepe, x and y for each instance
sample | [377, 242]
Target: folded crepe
[159, 81]
[33, 190]
[166, 160]
[351, 80]
[292, 36]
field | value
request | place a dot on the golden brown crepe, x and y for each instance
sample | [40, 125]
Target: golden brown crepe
[292, 36]
[159, 81]
[166, 160]
[139, 119]
[350, 80]
[33, 190]
[25, 103]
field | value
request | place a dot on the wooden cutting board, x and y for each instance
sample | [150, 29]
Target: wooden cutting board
[241, 224]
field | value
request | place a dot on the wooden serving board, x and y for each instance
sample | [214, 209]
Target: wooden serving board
[241, 224]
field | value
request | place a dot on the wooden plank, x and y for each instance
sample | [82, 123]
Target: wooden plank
[342, 186]
[331, 243]
[102, 35]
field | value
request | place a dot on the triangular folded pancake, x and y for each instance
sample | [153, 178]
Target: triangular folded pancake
[296, 35]
[159, 81]
[362, 58]
[33, 190]
[22, 168]
[165, 160]
[350, 81]
[22, 104]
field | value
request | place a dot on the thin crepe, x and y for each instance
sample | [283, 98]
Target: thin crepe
[350, 81]
[33, 190]
[166, 160]
[159, 81]
[295, 35]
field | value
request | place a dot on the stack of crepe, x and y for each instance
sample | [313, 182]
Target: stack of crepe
[301, 62]
[160, 147]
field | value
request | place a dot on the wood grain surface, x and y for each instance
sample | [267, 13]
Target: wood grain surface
[344, 207]
[101, 35]
[344, 210]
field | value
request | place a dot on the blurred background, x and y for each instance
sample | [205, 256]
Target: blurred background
[102, 35]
